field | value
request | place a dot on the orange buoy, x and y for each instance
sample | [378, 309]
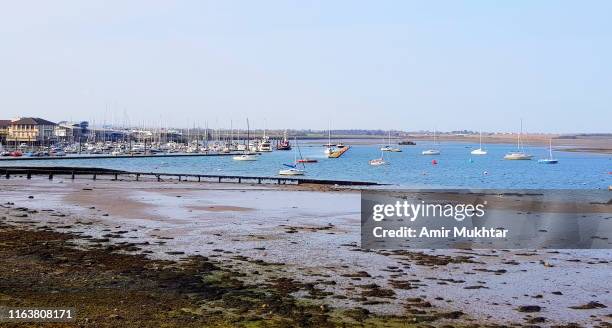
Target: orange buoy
[434, 162]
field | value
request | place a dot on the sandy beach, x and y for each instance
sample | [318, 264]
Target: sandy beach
[195, 254]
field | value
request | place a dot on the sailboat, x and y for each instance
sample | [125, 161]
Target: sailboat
[432, 151]
[378, 161]
[550, 159]
[284, 144]
[329, 148]
[519, 154]
[247, 156]
[479, 151]
[293, 170]
[388, 146]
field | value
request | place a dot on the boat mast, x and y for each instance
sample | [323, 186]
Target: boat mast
[518, 141]
[248, 144]
[550, 148]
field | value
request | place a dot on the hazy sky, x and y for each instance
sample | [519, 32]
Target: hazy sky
[406, 65]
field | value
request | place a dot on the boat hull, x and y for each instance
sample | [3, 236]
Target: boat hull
[478, 151]
[291, 172]
[245, 158]
[518, 157]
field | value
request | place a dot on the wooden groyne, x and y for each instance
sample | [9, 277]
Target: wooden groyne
[94, 173]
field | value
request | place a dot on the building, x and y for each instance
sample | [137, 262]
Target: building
[4, 125]
[30, 130]
[70, 131]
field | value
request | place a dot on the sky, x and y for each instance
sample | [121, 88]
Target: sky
[404, 65]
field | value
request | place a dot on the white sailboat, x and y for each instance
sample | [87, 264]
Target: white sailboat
[247, 156]
[519, 154]
[550, 159]
[479, 151]
[329, 148]
[293, 170]
[388, 146]
[378, 161]
[432, 151]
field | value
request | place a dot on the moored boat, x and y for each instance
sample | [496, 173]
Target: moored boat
[432, 151]
[479, 151]
[519, 154]
[245, 157]
[550, 159]
[292, 168]
[284, 144]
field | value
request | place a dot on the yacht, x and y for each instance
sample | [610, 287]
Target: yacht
[378, 161]
[519, 154]
[293, 170]
[265, 145]
[479, 151]
[388, 146]
[247, 156]
[284, 144]
[329, 147]
[432, 151]
[550, 159]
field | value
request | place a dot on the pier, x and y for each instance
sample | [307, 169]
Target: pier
[72, 172]
[339, 152]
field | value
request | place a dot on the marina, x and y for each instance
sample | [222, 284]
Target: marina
[454, 167]
[327, 164]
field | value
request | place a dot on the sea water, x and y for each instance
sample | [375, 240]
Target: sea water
[455, 167]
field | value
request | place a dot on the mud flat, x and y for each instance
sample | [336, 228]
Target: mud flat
[190, 255]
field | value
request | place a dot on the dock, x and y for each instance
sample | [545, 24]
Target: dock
[339, 152]
[42, 158]
[94, 173]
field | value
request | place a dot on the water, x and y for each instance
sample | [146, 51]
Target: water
[456, 168]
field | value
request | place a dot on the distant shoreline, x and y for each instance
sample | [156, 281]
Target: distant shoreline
[583, 144]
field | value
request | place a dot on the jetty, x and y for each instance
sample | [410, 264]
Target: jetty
[95, 173]
[339, 152]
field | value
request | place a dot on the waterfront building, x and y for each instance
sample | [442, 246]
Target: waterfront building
[4, 125]
[30, 130]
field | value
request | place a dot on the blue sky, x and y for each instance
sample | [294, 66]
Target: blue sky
[409, 65]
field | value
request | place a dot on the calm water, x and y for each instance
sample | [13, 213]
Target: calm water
[455, 168]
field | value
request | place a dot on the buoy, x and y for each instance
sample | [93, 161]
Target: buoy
[485, 172]
[434, 162]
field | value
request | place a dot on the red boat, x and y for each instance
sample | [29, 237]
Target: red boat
[16, 153]
[307, 160]
[284, 144]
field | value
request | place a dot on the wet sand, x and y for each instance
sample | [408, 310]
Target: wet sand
[295, 245]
